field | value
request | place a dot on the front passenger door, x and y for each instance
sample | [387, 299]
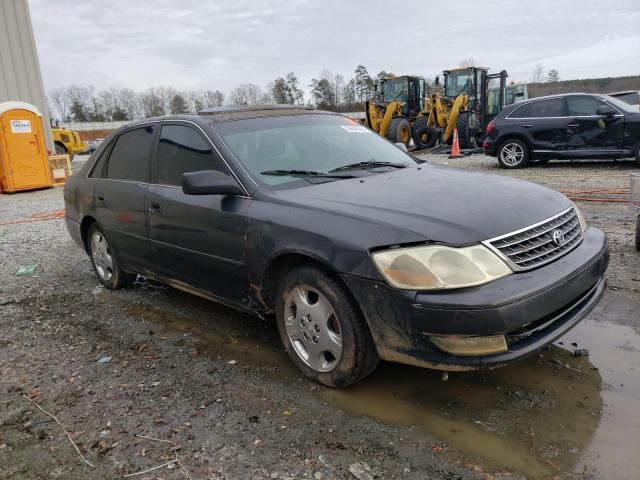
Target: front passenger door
[590, 134]
[198, 241]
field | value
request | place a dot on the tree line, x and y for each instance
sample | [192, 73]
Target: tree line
[75, 103]
[328, 91]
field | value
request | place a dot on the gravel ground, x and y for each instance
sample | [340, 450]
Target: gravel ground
[217, 388]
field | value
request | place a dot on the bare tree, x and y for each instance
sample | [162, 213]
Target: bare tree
[249, 94]
[468, 62]
[538, 74]
[553, 76]
[59, 98]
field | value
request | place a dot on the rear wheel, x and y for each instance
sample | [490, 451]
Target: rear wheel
[399, 131]
[513, 153]
[322, 328]
[60, 149]
[423, 136]
[104, 261]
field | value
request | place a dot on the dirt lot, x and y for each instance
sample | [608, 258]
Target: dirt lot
[217, 388]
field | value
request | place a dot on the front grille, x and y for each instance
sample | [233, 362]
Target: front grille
[535, 246]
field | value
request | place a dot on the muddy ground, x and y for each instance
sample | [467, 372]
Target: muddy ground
[217, 388]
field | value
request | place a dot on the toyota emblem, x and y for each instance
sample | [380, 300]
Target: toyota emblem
[558, 237]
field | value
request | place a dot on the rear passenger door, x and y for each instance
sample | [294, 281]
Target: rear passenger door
[545, 124]
[120, 196]
[590, 134]
[197, 240]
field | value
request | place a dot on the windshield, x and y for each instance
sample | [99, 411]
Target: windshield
[458, 82]
[394, 90]
[318, 143]
[622, 105]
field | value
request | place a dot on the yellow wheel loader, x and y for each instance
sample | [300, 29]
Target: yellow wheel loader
[468, 102]
[398, 112]
[67, 142]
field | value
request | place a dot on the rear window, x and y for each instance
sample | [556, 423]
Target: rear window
[129, 159]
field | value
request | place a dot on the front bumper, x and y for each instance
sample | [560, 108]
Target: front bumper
[532, 309]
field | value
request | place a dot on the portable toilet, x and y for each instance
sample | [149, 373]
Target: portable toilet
[24, 163]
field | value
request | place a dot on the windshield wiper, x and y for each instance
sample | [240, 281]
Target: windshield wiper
[304, 173]
[367, 164]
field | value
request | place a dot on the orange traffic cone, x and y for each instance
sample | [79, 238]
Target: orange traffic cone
[455, 148]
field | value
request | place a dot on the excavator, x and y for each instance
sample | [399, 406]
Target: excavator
[468, 101]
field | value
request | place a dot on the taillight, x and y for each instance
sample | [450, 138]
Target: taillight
[490, 127]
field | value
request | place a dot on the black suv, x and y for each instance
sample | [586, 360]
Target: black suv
[574, 125]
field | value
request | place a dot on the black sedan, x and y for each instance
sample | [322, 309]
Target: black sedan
[569, 126]
[359, 250]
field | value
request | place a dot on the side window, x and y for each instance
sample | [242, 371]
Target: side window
[547, 108]
[581, 106]
[182, 149]
[521, 112]
[129, 159]
[98, 167]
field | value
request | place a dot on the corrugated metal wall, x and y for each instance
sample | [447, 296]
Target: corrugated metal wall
[20, 77]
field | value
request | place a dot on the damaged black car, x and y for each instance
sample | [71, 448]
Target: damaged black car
[360, 251]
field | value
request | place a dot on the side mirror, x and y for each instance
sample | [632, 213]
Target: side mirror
[210, 182]
[402, 147]
[605, 111]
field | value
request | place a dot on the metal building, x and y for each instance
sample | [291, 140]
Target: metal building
[20, 77]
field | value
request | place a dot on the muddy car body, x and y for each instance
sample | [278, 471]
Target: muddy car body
[343, 255]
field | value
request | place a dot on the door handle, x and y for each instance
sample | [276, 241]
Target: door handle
[155, 208]
[528, 125]
[573, 125]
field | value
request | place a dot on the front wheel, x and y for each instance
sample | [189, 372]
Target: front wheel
[513, 153]
[399, 131]
[322, 328]
[104, 261]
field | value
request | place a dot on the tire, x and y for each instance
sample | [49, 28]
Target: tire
[637, 156]
[399, 131]
[423, 136]
[465, 127]
[314, 310]
[60, 149]
[104, 261]
[513, 153]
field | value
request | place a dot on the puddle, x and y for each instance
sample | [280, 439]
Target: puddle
[550, 415]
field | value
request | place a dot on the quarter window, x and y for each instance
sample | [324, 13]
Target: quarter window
[129, 159]
[182, 149]
[582, 106]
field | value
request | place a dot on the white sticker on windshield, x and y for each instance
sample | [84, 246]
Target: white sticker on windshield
[355, 128]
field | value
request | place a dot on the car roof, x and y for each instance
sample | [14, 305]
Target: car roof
[232, 112]
[561, 95]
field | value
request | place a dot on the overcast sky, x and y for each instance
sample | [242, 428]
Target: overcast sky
[220, 44]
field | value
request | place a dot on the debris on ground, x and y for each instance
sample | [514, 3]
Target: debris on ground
[27, 269]
[581, 352]
[105, 359]
[361, 470]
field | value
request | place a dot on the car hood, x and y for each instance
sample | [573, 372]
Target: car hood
[444, 205]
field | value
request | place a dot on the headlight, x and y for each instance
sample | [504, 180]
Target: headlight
[583, 222]
[436, 267]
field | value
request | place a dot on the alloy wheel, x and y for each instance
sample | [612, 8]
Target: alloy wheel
[313, 328]
[512, 154]
[101, 254]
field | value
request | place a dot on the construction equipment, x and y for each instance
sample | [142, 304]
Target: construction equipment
[467, 103]
[398, 112]
[68, 142]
